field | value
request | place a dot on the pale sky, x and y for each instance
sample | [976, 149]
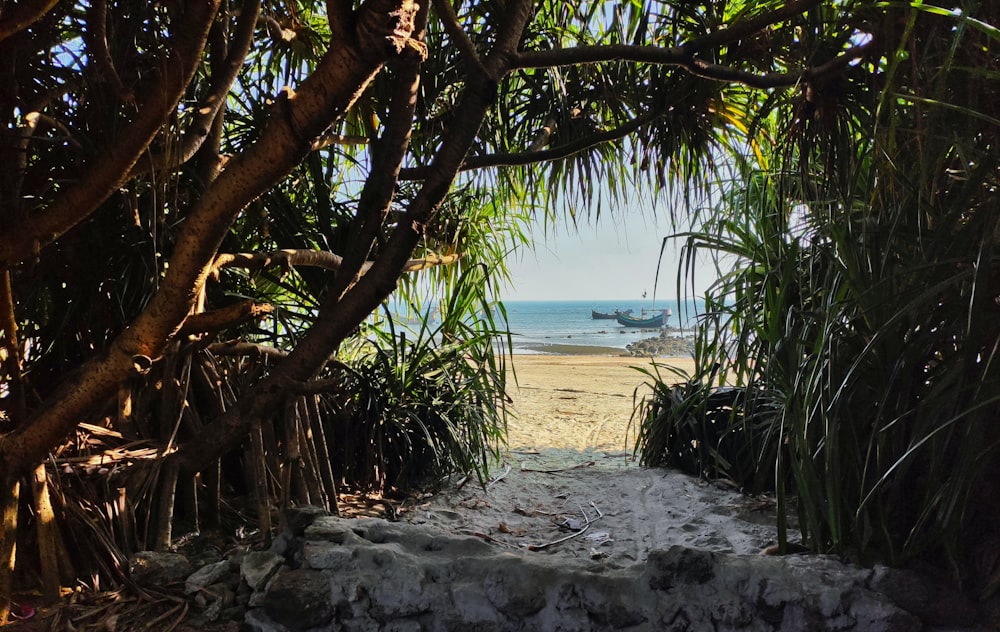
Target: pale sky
[613, 258]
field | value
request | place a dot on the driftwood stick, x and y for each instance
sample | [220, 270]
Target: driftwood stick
[539, 547]
[498, 477]
[559, 470]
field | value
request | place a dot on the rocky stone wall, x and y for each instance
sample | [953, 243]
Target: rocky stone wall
[329, 573]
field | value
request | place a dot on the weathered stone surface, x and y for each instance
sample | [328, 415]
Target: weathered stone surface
[376, 575]
[296, 600]
[206, 575]
[153, 568]
[297, 519]
[368, 574]
[933, 603]
[259, 566]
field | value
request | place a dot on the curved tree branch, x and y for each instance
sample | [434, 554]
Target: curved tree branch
[108, 170]
[224, 317]
[555, 153]
[277, 31]
[338, 81]
[775, 80]
[684, 59]
[458, 35]
[199, 128]
[234, 348]
[96, 37]
[328, 139]
[288, 258]
[17, 17]
[387, 158]
[750, 26]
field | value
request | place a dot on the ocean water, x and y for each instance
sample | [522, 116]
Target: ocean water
[567, 327]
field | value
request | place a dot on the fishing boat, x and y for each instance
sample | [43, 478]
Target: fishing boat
[596, 315]
[652, 322]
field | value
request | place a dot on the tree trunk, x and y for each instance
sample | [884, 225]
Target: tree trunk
[9, 496]
[49, 545]
[340, 314]
[383, 28]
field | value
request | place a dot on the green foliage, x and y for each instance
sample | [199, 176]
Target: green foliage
[863, 302]
[859, 327]
[424, 405]
[707, 431]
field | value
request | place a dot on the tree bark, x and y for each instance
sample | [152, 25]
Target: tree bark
[9, 496]
[383, 30]
[20, 16]
[49, 545]
[340, 314]
[223, 76]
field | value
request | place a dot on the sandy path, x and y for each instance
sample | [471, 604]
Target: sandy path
[574, 403]
[570, 461]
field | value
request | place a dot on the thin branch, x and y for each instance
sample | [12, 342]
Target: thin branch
[775, 80]
[290, 258]
[96, 36]
[555, 153]
[277, 31]
[748, 27]
[499, 477]
[578, 532]
[199, 128]
[675, 55]
[686, 54]
[326, 140]
[682, 58]
[245, 349]
[458, 35]
[224, 317]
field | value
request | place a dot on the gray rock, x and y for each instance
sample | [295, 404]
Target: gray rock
[154, 568]
[376, 575]
[934, 603]
[206, 575]
[259, 566]
[296, 600]
[297, 519]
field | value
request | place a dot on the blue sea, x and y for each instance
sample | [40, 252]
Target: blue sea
[566, 327]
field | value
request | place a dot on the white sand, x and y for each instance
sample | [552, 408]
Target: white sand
[570, 460]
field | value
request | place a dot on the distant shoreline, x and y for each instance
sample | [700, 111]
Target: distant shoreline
[556, 348]
[568, 349]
